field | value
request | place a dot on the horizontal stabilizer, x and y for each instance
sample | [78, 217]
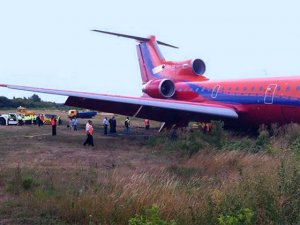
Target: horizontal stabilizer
[141, 39]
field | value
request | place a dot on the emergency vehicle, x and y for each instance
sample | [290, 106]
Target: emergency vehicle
[10, 119]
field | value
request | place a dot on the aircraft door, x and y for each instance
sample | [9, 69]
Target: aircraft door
[269, 94]
[215, 91]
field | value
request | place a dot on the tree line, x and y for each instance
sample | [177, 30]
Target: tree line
[31, 102]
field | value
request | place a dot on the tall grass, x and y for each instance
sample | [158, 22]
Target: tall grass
[213, 185]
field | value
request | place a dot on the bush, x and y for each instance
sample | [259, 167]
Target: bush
[189, 142]
[295, 147]
[243, 217]
[150, 217]
[28, 182]
[263, 138]
[241, 144]
[217, 133]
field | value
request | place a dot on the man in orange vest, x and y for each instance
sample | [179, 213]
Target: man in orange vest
[89, 130]
[53, 124]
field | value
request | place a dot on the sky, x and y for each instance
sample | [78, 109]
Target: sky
[49, 44]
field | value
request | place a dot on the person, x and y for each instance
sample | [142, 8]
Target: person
[111, 126]
[74, 122]
[114, 123]
[127, 125]
[147, 124]
[89, 132]
[38, 120]
[105, 124]
[207, 128]
[174, 135]
[53, 124]
[20, 120]
[87, 126]
[42, 118]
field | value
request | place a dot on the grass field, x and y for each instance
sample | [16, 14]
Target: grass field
[146, 177]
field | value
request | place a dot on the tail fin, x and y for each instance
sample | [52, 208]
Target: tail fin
[151, 60]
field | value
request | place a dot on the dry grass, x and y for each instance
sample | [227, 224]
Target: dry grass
[122, 175]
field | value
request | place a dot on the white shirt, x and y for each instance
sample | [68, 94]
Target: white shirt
[105, 122]
[87, 127]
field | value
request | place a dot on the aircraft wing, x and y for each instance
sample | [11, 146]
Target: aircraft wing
[143, 107]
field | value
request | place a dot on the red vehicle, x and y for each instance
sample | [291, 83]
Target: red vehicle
[178, 92]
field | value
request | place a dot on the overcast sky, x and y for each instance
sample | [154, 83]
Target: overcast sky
[49, 43]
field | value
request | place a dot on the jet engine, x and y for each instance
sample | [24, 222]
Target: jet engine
[159, 88]
[190, 67]
[198, 66]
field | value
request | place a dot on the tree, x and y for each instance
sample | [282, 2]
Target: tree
[35, 98]
[4, 102]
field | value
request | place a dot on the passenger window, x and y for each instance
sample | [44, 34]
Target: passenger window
[253, 88]
[288, 88]
[245, 89]
[261, 88]
[229, 89]
[278, 88]
[298, 88]
[237, 88]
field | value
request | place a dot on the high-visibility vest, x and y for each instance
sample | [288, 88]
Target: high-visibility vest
[53, 122]
[91, 130]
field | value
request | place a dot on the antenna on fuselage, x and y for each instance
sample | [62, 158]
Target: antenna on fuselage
[140, 39]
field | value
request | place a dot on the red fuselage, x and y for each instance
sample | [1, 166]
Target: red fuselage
[258, 101]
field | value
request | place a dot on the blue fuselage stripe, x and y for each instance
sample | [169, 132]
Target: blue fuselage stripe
[147, 59]
[241, 98]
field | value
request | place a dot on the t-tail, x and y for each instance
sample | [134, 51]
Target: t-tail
[153, 65]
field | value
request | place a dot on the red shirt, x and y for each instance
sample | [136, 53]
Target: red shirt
[53, 122]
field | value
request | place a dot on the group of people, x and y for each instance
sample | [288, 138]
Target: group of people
[112, 122]
[31, 119]
[89, 130]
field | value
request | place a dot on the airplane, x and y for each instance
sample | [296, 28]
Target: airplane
[176, 93]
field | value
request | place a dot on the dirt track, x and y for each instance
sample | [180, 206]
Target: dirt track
[34, 147]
